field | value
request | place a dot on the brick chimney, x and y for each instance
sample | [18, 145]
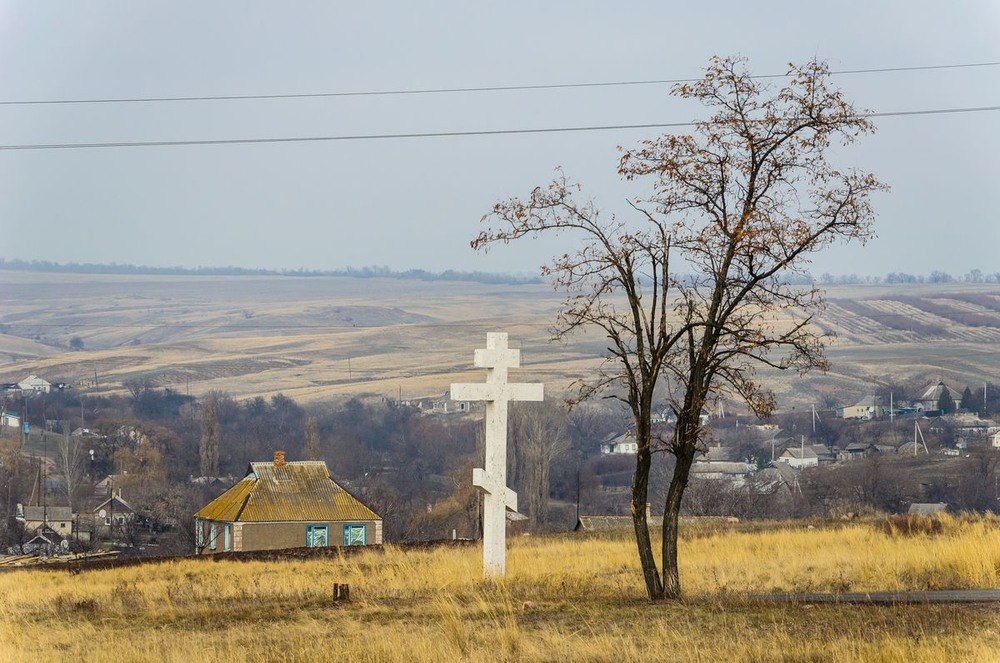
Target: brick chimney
[279, 458]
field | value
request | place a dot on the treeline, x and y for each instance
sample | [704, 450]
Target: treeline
[894, 278]
[353, 272]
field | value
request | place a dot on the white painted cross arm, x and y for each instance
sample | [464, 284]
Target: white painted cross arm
[492, 391]
[493, 357]
[494, 485]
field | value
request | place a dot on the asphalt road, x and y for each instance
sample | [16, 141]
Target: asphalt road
[890, 598]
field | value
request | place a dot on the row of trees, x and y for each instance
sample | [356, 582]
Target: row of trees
[895, 278]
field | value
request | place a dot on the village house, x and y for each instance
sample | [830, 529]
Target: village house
[824, 454]
[799, 457]
[871, 407]
[720, 462]
[780, 478]
[619, 443]
[58, 519]
[35, 384]
[283, 504]
[433, 404]
[733, 471]
[963, 424]
[935, 400]
[861, 449]
[113, 516]
[10, 419]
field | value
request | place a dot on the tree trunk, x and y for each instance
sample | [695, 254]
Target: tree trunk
[640, 490]
[671, 513]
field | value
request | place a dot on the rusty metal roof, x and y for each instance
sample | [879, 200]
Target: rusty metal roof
[295, 491]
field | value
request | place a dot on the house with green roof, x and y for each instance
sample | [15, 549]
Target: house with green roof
[283, 504]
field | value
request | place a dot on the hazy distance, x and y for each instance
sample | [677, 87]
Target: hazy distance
[416, 202]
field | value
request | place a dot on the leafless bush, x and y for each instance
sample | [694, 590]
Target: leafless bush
[910, 525]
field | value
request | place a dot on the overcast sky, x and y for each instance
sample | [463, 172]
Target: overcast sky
[416, 202]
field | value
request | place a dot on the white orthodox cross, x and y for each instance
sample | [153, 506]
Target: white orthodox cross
[492, 480]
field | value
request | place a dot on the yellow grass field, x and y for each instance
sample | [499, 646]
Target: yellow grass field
[565, 599]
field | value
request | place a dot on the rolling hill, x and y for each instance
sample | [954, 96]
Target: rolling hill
[317, 338]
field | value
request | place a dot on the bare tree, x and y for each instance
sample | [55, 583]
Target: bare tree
[312, 450]
[539, 435]
[738, 205]
[69, 456]
[208, 449]
[139, 387]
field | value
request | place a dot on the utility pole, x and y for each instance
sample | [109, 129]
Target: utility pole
[45, 474]
[578, 494]
[917, 431]
[24, 424]
[111, 484]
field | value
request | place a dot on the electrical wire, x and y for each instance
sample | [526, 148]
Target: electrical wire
[431, 134]
[460, 90]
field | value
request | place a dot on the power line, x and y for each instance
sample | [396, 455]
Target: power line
[431, 134]
[458, 90]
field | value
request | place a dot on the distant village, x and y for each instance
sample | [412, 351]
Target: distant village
[106, 485]
[72, 510]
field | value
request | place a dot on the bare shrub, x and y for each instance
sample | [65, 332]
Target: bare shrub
[910, 525]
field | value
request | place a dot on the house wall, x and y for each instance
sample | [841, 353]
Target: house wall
[273, 536]
[63, 528]
[799, 463]
[856, 412]
[620, 448]
[276, 536]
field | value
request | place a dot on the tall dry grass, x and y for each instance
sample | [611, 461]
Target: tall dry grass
[565, 598]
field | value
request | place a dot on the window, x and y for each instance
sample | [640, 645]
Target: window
[227, 537]
[354, 535]
[212, 536]
[199, 526]
[317, 536]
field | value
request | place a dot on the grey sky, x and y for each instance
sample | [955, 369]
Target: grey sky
[417, 202]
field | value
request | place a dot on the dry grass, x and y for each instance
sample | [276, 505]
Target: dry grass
[565, 598]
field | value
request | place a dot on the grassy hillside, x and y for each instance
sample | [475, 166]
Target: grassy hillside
[314, 338]
[565, 598]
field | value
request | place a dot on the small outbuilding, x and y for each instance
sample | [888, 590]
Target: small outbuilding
[927, 508]
[283, 504]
